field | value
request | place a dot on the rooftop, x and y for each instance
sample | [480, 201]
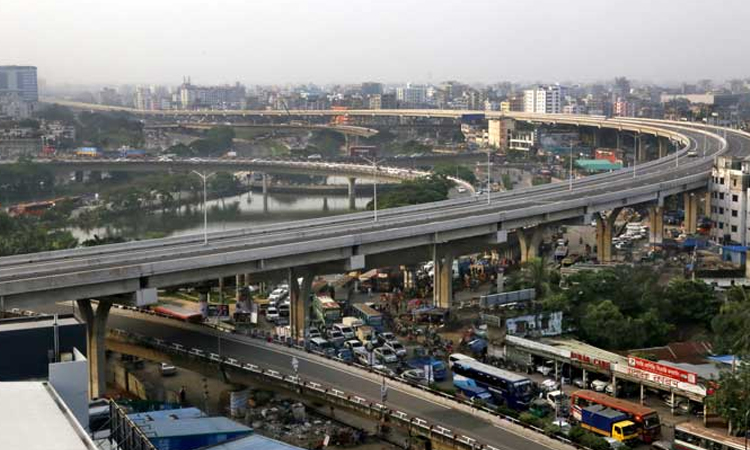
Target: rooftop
[254, 442]
[594, 165]
[30, 406]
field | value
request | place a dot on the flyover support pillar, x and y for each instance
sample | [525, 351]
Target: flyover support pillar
[604, 225]
[691, 212]
[96, 329]
[529, 240]
[300, 287]
[265, 192]
[352, 193]
[663, 148]
[656, 225]
[443, 276]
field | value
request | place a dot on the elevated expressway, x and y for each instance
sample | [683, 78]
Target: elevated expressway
[299, 250]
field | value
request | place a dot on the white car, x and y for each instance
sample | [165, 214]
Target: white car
[385, 355]
[549, 385]
[461, 190]
[272, 314]
[167, 369]
[599, 385]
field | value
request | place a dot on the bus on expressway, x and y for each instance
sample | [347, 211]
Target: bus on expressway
[369, 316]
[510, 388]
[646, 419]
[691, 436]
[326, 310]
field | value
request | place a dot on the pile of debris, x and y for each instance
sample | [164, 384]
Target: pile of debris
[290, 422]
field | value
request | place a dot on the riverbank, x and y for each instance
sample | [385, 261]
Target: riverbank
[320, 189]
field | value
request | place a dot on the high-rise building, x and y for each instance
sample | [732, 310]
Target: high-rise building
[412, 95]
[499, 132]
[544, 99]
[372, 88]
[19, 81]
[730, 191]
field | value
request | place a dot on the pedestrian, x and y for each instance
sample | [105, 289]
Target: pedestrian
[183, 396]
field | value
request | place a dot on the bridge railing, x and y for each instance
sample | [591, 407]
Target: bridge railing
[467, 405]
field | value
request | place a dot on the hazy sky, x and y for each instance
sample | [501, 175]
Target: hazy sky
[277, 41]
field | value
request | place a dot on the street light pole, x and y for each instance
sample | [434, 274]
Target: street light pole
[489, 177]
[570, 169]
[635, 153]
[374, 163]
[205, 178]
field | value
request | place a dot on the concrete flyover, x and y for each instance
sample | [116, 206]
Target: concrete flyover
[439, 231]
[349, 130]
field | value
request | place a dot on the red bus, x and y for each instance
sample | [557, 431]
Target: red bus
[645, 418]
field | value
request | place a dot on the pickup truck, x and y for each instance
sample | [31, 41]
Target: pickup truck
[609, 423]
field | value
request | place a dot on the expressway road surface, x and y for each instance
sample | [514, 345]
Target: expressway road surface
[330, 373]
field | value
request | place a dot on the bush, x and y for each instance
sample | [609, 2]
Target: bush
[531, 419]
[587, 439]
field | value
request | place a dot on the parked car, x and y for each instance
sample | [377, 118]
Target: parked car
[578, 382]
[272, 314]
[397, 348]
[336, 337]
[549, 385]
[313, 333]
[385, 355]
[415, 376]
[346, 330]
[546, 368]
[167, 369]
[321, 345]
[599, 385]
[385, 337]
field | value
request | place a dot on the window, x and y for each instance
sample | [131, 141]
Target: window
[721, 225]
[721, 210]
[734, 228]
[735, 197]
[721, 196]
[734, 213]
[734, 182]
[721, 181]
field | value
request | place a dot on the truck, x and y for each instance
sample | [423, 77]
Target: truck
[608, 422]
[352, 322]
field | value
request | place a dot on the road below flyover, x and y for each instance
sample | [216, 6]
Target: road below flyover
[330, 373]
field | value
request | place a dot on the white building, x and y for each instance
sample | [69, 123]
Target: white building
[729, 191]
[544, 99]
[412, 95]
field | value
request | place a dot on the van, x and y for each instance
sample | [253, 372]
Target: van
[347, 331]
[320, 345]
[457, 357]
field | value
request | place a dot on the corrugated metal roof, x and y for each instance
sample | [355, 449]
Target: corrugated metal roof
[167, 414]
[254, 442]
[191, 427]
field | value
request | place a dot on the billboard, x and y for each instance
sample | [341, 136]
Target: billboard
[662, 370]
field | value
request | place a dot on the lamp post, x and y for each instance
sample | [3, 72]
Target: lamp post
[375, 169]
[489, 177]
[570, 169]
[205, 178]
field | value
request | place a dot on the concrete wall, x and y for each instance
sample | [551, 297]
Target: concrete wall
[70, 380]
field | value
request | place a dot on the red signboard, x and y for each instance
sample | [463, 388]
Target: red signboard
[592, 361]
[662, 370]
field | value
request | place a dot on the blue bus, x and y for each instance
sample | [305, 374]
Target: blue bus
[368, 316]
[510, 388]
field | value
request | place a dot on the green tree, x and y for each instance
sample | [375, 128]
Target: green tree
[691, 301]
[534, 274]
[730, 326]
[604, 325]
[732, 398]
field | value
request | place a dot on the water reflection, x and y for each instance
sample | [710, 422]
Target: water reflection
[225, 214]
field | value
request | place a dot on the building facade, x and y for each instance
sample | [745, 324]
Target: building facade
[19, 81]
[729, 191]
[544, 99]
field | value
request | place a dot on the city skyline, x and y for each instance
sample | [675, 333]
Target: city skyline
[346, 42]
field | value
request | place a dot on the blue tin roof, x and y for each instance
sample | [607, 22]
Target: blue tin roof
[254, 442]
[192, 427]
[167, 414]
